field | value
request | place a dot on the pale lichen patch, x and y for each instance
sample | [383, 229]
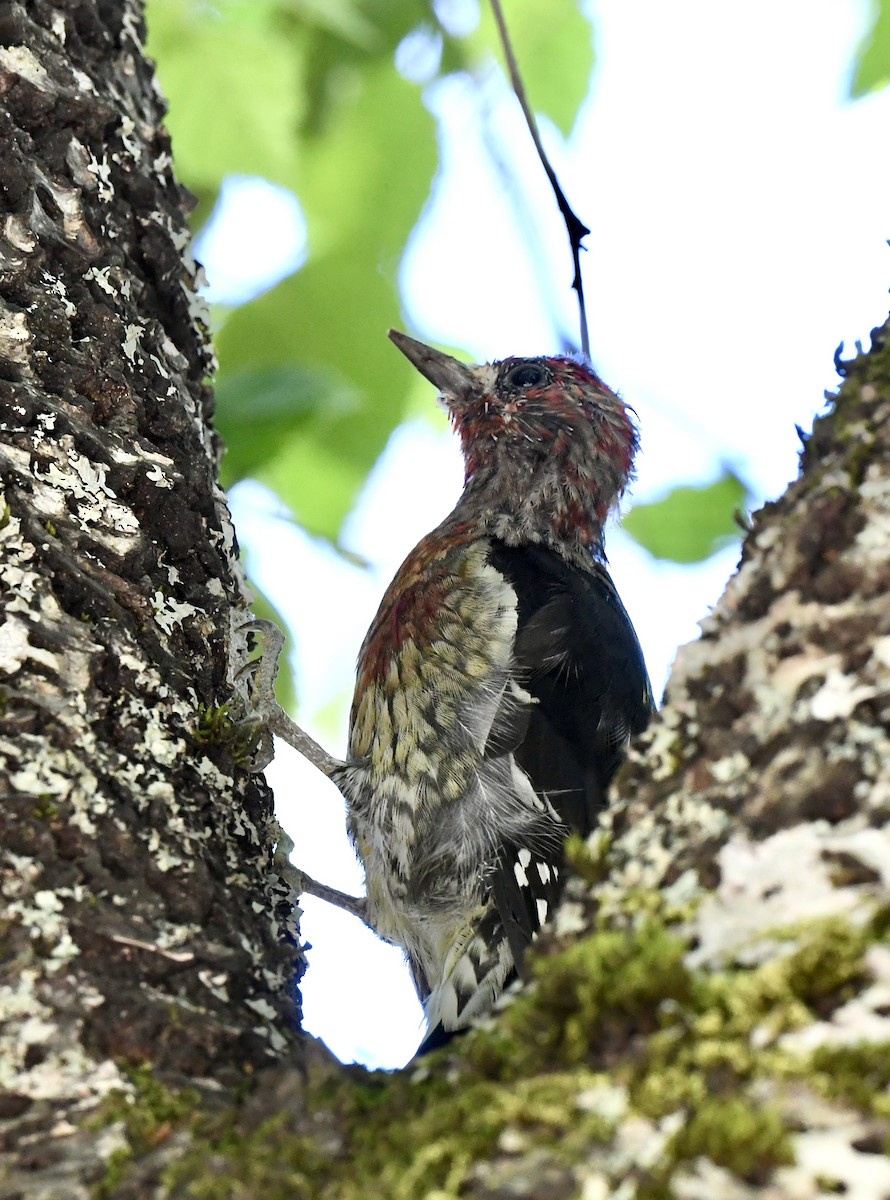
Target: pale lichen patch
[839, 696]
[94, 504]
[156, 476]
[828, 1154]
[62, 1071]
[705, 1180]
[605, 1098]
[106, 459]
[20, 61]
[170, 613]
[131, 342]
[16, 648]
[770, 885]
[18, 233]
[730, 769]
[15, 338]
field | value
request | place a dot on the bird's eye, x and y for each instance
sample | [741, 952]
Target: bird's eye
[526, 375]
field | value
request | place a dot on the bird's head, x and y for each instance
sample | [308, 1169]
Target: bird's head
[545, 442]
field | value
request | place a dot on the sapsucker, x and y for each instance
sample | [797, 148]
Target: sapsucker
[499, 683]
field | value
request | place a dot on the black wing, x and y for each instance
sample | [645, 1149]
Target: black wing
[577, 654]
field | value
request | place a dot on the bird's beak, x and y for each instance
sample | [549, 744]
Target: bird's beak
[451, 377]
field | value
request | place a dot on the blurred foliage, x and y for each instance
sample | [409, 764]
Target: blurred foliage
[872, 68]
[555, 54]
[306, 94]
[689, 524]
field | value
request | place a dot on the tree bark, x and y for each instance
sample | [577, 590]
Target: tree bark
[144, 921]
[709, 1017]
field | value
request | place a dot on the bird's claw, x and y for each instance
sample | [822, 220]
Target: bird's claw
[255, 710]
[253, 682]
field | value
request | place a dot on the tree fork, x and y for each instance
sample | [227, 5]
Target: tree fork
[710, 1016]
[145, 920]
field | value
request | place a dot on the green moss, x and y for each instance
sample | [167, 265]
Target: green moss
[861, 452]
[46, 808]
[216, 727]
[748, 1139]
[271, 1162]
[406, 1139]
[413, 1149]
[858, 1074]
[709, 1047]
[618, 1013]
[588, 999]
[149, 1115]
[589, 863]
[879, 924]
[830, 962]
[830, 1185]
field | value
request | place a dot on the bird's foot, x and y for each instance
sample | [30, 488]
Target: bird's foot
[356, 905]
[304, 885]
[254, 686]
[260, 716]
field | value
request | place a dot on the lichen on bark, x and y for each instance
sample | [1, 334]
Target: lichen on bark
[143, 918]
[708, 1016]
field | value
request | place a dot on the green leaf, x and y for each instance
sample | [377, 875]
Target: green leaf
[689, 524]
[343, 18]
[315, 482]
[341, 45]
[235, 89]
[553, 45]
[873, 57]
[361, 199]
[259, 407]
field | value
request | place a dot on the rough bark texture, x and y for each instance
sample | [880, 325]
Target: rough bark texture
[709, 1019]
[143, 919]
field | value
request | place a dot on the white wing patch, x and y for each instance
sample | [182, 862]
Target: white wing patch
[520, 867]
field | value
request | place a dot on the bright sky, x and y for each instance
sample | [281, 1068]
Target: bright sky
[740, 212]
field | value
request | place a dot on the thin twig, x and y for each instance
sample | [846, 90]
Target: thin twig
[575, 228]
[178, 956]
[516, 193]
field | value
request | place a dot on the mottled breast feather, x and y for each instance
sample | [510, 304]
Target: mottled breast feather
[499, 682]
[497, 689]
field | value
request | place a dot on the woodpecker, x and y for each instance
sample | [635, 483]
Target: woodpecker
[499, 683]
[497, 687]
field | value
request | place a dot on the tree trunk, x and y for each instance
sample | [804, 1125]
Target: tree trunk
[710, 1016]
[144, 922]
